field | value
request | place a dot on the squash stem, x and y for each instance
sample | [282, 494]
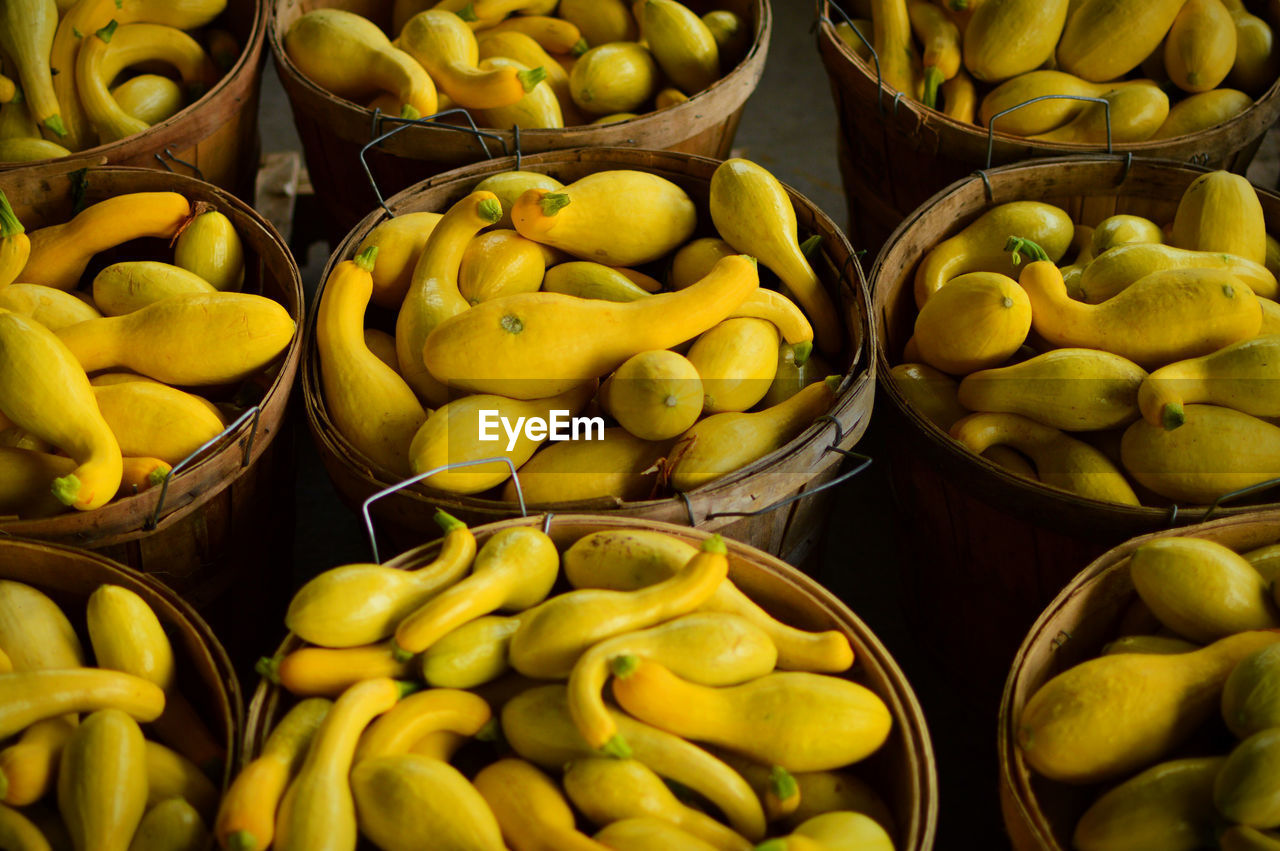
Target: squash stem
[553, 203]
[66, 488]
[399, 653]
[407, 687]
[490, 732]
[490, 209]
[802, 350]
[959, 5]
[624, 666]
[772, 845]
[810, 245]
[833, 383]
[579, 47]
[782, 783]
[242, 840]
[268, 667]
[1017, 245]
[447, 522]
[616, 747]
[932, 79]
[54, 123]
[530, 79]
[108, 31]
[157, 476]
[408, 113]
[468, 13]
[1172, 416]
[715, 544]
[365, 259]
[9, 224]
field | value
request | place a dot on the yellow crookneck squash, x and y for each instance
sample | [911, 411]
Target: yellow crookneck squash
[47, 393]
[371, 405]
[433, 295]
[515, 347]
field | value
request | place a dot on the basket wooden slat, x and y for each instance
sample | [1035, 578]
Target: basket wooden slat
[1040, 815]
[225, 519]
[215, 138]
[803, 465]
[333, 130]
[205, 674]
[895, 152]
[902, 770]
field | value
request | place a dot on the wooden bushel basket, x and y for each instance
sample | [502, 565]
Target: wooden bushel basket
[334, 130]
[986, 536]
[1039, 814]
[895, 152]
[214, 139]
[732, 505]
[902, 771]
[204, 673]
[223, 523]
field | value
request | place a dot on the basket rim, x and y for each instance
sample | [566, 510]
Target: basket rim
[276, 395]
[856, 383]
[751, 63]
[828, 37]
[1015, 775]
[987, 468]
[903, 702]
[229, 682]
[250, 55]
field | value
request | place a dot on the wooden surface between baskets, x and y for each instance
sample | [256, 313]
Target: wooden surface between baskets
[804, 464]
[902, 770]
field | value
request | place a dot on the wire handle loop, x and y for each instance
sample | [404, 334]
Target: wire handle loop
[457, 465]
[379, 137]
[991, 124]
[254, 414]
[172, 157]
[1225, 498]
[875, 57]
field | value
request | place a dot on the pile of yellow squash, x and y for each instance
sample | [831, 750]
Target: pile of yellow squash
[1215, 55]
[1145, 371]
[409, 673]
[1201, 650]
[90, 405]
[494, 321]
[595, 62]
[77, 769]
[79, 73]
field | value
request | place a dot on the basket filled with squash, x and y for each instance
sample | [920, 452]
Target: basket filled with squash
[147, 83]
[1137, 398]
[639, 295]
[464, 707]
[121, 715]
[150, 337]
[954, 86]
[500, 77]
[1141, 709]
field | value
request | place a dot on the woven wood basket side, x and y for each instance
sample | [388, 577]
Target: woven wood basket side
[333, 130]
[205, 674]
[895, 152]
[1087, 613]
[902, 770]
[803, 465]
[214, 139]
